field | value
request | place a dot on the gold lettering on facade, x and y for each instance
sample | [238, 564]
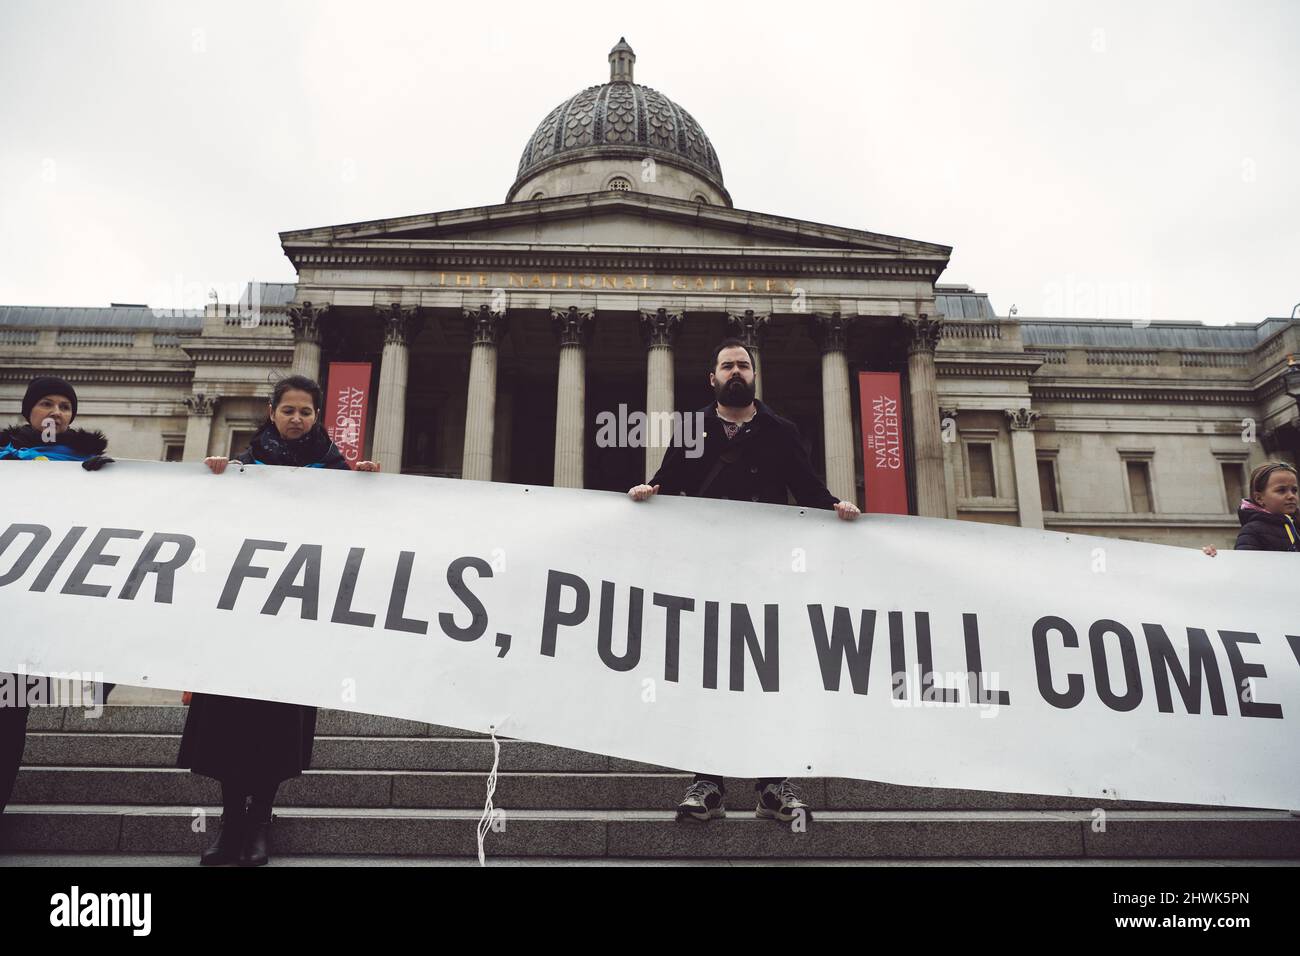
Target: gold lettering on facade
[627, 283]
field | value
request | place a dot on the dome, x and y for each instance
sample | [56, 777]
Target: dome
[623, 122]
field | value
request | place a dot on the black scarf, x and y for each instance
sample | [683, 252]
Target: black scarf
[315, 447]
[81, 442]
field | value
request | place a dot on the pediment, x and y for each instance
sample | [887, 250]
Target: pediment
[614, 220]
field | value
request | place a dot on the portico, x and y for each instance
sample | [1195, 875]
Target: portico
[476, 335]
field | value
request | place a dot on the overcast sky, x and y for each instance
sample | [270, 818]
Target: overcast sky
[1128, 160]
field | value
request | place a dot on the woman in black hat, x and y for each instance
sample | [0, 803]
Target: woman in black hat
[251, 746]
[49, 407]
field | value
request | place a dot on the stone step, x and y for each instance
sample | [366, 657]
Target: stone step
[84, 860]
[329, 753]
[523, 790]
[170, 719]
[834, 834]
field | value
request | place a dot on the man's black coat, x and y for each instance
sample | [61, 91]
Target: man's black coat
[764, 461]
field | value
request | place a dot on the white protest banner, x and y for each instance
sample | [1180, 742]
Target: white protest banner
[714, 636]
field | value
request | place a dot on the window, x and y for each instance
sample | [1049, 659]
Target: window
[1047, 484]
[1139, 486]
[620, 184]
[173, 446]
[979, 459]
[1234, 483]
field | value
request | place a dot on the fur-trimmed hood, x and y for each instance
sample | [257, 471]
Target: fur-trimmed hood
[78, 440]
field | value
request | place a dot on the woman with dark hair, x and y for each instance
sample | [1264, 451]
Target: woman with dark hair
[49, 406]
[252, 746]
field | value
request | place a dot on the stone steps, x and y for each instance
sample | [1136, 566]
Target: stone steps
[395, 788]
[842, 834]
[532, 790]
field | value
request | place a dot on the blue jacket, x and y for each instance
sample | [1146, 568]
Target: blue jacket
[23, 443]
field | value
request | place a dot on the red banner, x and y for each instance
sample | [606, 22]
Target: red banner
[347, 396]
[882, 443]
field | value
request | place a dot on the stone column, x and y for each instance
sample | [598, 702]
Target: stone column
[307, 321]
[751, 329]
[400, 326]
[658, 329]
[486, 327]
[198, 430]
[1024, 459]
[923, 387]
[573, 328]
[831, 333]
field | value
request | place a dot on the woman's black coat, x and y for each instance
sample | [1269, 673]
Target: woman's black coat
[253, 744]
[1263, 531]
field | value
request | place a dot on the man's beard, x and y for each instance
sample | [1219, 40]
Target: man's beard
[734, 393]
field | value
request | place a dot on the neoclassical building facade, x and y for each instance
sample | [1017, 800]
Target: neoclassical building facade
[497, 334]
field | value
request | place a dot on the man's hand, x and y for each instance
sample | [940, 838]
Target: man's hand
[96, 462]
[367, 466]
[1210, 549]
[642, 492]
[217, 464]
[847, 510]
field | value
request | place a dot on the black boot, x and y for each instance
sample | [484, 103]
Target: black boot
[256, 845]
[225, 850]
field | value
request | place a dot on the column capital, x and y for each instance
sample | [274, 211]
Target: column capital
[571, 325]
[660, 327]
[1022, 419]
[401, 322]
[830, 330]
[749, 327]
[485, 326]
[925, 332]
[946, 413]
[201, 404]
[307, 320]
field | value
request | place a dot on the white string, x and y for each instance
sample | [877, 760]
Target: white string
[485, 821]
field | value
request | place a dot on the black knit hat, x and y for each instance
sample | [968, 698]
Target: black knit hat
[48, 385]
